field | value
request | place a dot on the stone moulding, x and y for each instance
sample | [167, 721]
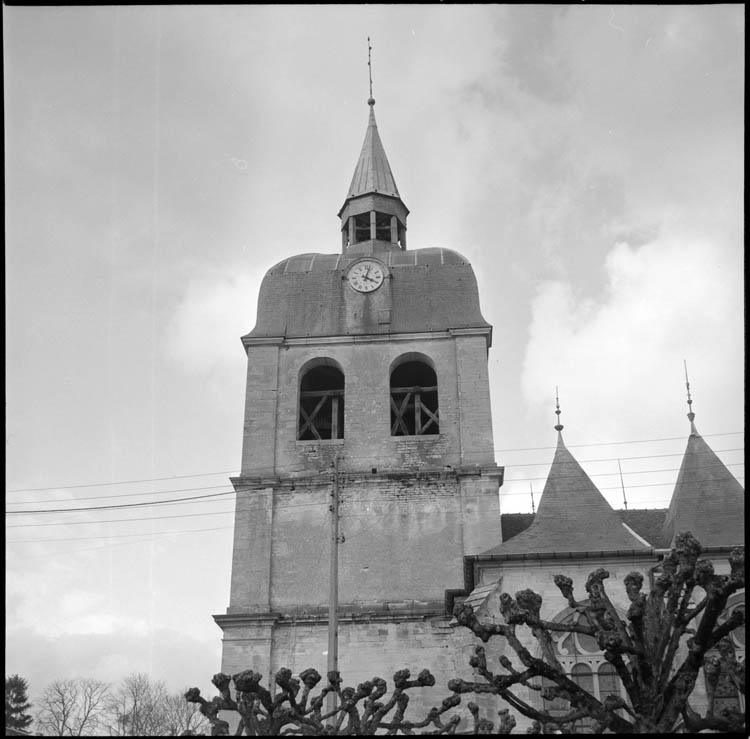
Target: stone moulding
[348, 613]
[324, 479]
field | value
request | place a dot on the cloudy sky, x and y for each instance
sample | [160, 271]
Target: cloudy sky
[586, 159]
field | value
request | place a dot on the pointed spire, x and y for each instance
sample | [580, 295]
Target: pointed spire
[558, 426]
[707, 499]
[373, 172]
[371, 99]
[690, 415]
[373, 209]
[572, 515]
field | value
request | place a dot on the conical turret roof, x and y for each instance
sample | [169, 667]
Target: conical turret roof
[707, 499]
[573, 516]
[372, 173]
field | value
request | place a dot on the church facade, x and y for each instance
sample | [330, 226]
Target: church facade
[367, 380]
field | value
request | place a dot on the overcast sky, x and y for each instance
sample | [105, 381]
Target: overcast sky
[586, 159]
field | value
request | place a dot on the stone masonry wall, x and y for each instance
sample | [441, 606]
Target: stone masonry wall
[404, 540]
[460, 362]
[367, 649]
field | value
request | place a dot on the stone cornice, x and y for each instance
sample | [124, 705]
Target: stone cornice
[323, 479]
[225, 620]
[348, 613]
[472, 560]
[485, 331]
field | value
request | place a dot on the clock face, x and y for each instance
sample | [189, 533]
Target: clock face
[366, 276]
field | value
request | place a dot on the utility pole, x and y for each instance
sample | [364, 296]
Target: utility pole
[333, 599]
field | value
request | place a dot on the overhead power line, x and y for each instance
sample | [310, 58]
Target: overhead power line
[114, 497]
[122, 505]
[345, 501]
[189, 499]
[121, 482]
[237, 472]
[214, 487]
[118, 520]
[118, 536]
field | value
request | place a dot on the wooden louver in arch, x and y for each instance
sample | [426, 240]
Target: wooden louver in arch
[321, 405]
[414, 400]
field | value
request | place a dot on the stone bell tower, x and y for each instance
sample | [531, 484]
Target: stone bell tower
[367, 375]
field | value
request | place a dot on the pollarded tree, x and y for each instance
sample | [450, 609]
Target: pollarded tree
[657, 653]
[17, 702]
[294, 710]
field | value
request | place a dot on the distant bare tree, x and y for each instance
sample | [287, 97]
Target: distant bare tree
[74, 707]
[137, 707]
[182, 718]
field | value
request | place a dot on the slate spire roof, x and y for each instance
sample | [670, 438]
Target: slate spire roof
[573, 516]
[707, 499]
[372, 173]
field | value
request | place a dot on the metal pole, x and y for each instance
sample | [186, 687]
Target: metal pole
[333, 623]
[622, 484]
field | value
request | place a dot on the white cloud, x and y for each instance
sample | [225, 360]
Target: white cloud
[618, 361]
[215, 310]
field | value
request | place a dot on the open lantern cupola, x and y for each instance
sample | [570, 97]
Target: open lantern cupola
[373, 210]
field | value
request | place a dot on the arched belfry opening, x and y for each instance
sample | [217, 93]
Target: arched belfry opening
[321, 403]
[414, 399]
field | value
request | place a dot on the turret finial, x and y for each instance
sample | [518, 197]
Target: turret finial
[690, 415]
[558, 426]
[371, 99]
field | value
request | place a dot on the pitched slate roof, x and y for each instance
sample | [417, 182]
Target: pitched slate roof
[707, 500]
[573, 516]
[372, 173]
[512, 524]
[646, 522]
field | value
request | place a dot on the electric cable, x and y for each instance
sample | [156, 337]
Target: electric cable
[235, 472]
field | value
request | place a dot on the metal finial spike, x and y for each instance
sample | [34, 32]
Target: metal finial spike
[371, 99]
[690, 415]
[531, 490]
[558, 426]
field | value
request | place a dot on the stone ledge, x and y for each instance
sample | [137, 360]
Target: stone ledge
[348, 613]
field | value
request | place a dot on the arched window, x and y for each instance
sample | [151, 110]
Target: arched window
[414, 399]
[584, 663]
[321, 404]
[609, 681]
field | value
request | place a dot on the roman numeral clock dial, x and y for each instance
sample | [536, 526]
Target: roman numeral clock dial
[366, 276]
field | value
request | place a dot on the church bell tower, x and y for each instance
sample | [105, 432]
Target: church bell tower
[366, 378]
